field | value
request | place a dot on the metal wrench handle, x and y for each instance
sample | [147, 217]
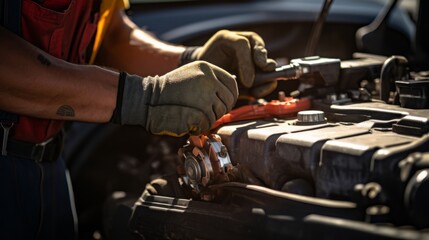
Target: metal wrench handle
[285, 72]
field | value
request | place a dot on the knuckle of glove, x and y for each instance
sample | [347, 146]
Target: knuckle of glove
[230, 41]
[222, 34]
[192, 98]
[241, 46]
[220, 93]
[260, 55]
[258, 39]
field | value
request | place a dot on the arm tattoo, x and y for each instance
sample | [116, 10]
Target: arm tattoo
[43, 60]
[65, 111]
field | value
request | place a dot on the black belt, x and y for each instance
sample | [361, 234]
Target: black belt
[47, 151]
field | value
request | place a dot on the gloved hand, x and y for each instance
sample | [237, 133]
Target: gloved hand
[186, 100]
[239, 53]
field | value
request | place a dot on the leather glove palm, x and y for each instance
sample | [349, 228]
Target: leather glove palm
[186, 100]
[239, 53]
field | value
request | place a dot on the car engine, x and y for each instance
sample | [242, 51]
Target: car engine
[346, 165]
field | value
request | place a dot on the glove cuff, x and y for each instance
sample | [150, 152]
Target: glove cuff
[134, 96]
[116, 116]
[188, 55]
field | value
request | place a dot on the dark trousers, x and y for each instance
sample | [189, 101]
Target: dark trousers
[35, 200]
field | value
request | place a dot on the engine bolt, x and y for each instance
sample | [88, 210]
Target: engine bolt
[282, 96]
[223, 151]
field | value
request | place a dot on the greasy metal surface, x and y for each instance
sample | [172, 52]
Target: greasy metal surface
[252, 144]
[253, 212]
[332, 157]
[205, 161]
[380, 110]
[299, 153]
[346, 162]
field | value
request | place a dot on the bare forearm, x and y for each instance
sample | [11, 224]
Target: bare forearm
[36, 84]
[128, 48]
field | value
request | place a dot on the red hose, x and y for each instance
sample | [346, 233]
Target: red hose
[273, 109]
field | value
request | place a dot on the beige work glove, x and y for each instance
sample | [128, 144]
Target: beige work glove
[239, 53]
[186, 100]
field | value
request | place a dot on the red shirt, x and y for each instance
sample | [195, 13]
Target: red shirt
[64, 29]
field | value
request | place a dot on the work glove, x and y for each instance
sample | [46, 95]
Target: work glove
[186, 100]
[240, 53]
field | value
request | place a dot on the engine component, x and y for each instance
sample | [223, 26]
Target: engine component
[254, 144]
[413, 93]
[284, 107]
[205, 161]
[394, 68]
[285, 72]
[313, 71]
[320, 71]
[332, 159]
[412, 125]
[311, 117]
[328, 74]
[414, 171]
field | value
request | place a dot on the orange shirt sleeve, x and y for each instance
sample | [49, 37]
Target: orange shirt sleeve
[106, 9]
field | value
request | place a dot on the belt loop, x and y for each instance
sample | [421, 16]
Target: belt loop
[6, 127]
[39, 154]
[7, 120]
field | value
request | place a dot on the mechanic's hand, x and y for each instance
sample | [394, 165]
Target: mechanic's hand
[186, 100]
[239, 53]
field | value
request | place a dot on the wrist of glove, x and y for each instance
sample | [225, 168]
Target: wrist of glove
[239, 53]
[189, 55]
[187, 100]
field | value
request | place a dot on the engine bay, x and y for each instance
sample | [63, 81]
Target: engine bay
[349, 161]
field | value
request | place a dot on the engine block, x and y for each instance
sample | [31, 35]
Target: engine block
[340, 159]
